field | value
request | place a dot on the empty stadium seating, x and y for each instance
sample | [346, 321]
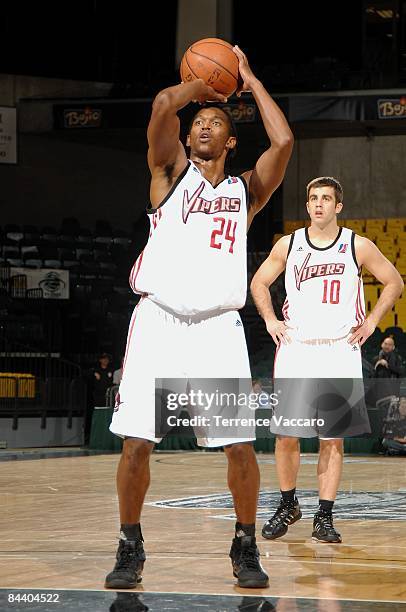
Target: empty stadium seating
[98, 261]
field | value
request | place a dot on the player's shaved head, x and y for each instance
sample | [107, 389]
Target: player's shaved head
[388, 344]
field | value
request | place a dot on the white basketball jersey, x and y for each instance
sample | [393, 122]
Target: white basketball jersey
[195, 259]
[324, 291]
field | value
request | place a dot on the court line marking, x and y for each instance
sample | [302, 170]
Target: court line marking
[345, 561]
[319, 561]
[395, 601]
[307, 543]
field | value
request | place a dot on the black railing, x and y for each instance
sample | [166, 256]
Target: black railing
[111, 395]
[40, 384]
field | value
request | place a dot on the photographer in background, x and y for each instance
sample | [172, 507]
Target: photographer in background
[395, 427]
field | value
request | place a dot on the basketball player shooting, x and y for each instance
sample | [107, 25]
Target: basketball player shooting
[192, 278]
[320, 337]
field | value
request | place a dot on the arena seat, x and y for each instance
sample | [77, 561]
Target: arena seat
[13, 232]
[387, 321]
[400, 310]
[395, 226]
[376, 225]
[371, 296]
[401, 266]
[356, 225]
[11, 251]
[401, 242]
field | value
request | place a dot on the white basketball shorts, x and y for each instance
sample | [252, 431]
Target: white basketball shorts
[321, 390]
[162, 344]
[318, 359]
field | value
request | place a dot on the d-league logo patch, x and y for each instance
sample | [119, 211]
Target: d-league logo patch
[342, 248]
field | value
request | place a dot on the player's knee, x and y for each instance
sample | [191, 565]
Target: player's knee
[287, 443]
[333, 446]
[136, 451]
[240, 453]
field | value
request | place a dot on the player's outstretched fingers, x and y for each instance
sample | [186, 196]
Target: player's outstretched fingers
[282, 337]
[356, 333]
[215, 95]
[363, 340]
[275, 339]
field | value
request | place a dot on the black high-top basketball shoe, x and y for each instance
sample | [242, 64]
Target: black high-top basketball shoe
[323, 528]
[127, 572]
[247, 568]
[286, 514]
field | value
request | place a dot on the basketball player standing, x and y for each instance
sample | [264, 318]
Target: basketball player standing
[323, 328]
[192, 276]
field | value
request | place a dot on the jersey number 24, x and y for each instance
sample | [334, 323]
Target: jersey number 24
[222, 233]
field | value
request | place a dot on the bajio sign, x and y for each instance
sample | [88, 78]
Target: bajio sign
[392, 108]
[82, 117]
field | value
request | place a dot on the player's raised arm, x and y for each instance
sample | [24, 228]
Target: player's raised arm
[165, 149]
[271, 166]
[267, 274]
[370, 256]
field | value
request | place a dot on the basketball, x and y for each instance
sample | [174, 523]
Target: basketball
[214, 61]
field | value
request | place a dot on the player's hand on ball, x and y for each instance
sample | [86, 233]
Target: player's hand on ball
[279, 331]
[205, 93]
[361, 333]
[246, 75]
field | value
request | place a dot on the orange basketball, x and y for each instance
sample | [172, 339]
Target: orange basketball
[214, 61]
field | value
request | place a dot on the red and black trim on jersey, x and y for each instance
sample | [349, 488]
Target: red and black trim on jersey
[150, 210]
[285, 310]
[354, 256]
[247, 195]
[316, 248]
[359, 310]
[292, 237]
[134, 271]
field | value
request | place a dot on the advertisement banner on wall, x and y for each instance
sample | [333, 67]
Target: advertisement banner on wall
[392, 108]
[8, 135]
[82, 117]
[78, 116]
[242, 112]
[49, 283]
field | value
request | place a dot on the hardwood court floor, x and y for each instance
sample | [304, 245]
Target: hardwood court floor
[59, 524]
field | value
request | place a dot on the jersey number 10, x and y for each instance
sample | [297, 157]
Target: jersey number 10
[333, 294]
